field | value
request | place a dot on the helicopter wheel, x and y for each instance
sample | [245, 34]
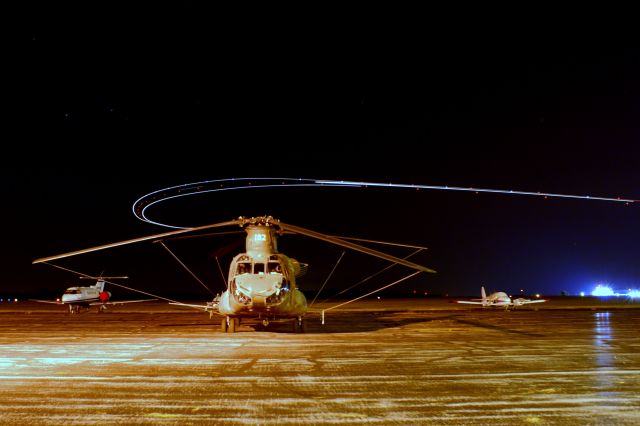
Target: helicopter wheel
[223, 325]
[298, 325]
[232, 324]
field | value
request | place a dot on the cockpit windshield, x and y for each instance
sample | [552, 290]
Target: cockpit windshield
[243, 268]
[274, 268]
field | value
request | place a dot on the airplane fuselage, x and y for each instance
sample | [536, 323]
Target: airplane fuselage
[89, 294]
[498, 299]
[80, 295]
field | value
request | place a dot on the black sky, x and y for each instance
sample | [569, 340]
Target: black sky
[126, 101]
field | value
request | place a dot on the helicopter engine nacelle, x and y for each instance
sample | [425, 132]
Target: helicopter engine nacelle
[298, 269]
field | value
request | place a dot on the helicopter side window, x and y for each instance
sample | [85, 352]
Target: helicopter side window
[72, 291]
[258, 268]
[243, 268]
[274, 268]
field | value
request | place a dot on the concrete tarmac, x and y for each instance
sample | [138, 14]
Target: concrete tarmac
[402, 362]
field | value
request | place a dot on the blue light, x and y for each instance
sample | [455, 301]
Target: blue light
[602, 290]
[634, 294]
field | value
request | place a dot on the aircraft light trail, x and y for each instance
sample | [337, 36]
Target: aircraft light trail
[217, 185]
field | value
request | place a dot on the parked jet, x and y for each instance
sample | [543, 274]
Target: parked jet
[500, 299]
[82, 298]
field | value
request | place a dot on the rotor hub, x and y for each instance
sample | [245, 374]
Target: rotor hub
[258, 221]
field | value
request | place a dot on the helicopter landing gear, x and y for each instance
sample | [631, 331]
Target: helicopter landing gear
[298, 325]
[229, 324]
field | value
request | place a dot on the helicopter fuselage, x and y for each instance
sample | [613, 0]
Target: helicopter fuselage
[257, 287]
[262, 281]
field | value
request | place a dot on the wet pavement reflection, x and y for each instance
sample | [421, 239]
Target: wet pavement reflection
[400, 365]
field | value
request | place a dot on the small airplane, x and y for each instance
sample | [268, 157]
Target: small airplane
[498, 299]
[262, 281]
[80, 299]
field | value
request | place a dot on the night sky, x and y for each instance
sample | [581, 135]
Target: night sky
[122, 102]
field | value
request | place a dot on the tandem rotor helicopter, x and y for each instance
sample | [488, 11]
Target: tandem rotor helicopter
[261, 281]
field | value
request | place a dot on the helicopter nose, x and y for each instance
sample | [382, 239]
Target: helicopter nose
[260, 285]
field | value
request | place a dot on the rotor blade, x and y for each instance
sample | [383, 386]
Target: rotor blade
[136, 240]
[209, 234]
[103, 278]
[379, 242]
[353, 246]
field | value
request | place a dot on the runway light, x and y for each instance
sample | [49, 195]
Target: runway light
[15, 300]
[538, 295]
[582, 293]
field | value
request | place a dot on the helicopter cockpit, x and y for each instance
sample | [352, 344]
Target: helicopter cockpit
[259, 281]
[271, 267]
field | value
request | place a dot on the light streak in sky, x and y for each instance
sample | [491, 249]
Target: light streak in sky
[217, 185]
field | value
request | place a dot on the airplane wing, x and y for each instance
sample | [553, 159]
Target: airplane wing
[47, 301]
[468, 302]
[527, 301]
[120, 302]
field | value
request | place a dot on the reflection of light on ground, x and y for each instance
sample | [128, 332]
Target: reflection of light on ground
[603, 355]
[69, 358]
[380, 366]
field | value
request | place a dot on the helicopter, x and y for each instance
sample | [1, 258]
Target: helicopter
[261, 281]
[81, 298]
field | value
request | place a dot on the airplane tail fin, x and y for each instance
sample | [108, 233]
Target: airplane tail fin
[483, 294]
[100, 286]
